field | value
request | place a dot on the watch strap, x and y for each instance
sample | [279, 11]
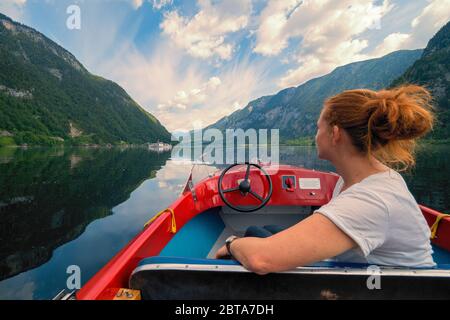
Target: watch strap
[228, 244]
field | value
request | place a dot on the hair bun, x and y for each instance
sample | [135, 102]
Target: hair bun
[400, 114]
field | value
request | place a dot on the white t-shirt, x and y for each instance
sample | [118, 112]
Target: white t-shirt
[383, 218]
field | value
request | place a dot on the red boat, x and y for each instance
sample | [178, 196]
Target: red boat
[172, 258]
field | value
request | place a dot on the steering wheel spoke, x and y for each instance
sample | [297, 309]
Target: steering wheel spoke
[231, 190]
[247, 173]
[257, 196]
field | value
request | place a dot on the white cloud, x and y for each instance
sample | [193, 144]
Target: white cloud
[330, 33]
[152, 77]
[194, 96]
[13, 8]
[313, 65]
[205, 34]
[272, 37]
[394, 41]
[435, 15]
[327, 31]
[179, 90]
[169, 80]
[432, 18]
[156, 4]
[238, 85]
[161, 74]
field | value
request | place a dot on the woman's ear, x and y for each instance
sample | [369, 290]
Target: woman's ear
[335, 134]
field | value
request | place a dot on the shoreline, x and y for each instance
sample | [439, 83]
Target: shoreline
[308, 141]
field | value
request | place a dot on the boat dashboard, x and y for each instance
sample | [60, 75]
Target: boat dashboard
[284, 185]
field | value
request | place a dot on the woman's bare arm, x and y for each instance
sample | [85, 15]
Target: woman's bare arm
[314, 239]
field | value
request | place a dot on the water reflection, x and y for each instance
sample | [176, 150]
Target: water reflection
[60, 207]
[48, 197]
[305, 157]
[429, 182]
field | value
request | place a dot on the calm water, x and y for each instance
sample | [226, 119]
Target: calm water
[81, 206]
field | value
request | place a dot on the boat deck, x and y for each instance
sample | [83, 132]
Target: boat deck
[207, 232]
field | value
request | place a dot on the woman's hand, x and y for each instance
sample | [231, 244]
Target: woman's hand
[222, 253]
[313, 239]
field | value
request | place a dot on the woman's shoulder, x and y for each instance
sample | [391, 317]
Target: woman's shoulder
[388, 186]
[385, 179]
[388, 181]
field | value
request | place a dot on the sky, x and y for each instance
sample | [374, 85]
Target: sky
[192, 62]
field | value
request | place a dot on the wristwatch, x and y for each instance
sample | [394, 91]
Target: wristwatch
[228, 242]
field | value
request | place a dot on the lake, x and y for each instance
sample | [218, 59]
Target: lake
[80, 206]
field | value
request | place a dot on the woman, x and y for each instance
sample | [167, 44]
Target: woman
[372, 217]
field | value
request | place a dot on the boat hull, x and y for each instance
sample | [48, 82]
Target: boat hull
[181, 281]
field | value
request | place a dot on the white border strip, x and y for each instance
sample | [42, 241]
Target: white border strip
[384, 271]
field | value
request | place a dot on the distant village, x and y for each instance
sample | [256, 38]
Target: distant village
[159, 146]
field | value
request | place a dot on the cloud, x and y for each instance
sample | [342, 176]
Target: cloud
[152, 77]
[314, 65]
[184, 99]
[250, 47]
[205, 35]
[331, 33]
[158, 72]
[13, 8]
[179, 89]
[272, 37]
[394, 41]
[327, 31]
[435, 15]
[231, 89]
[156, 4]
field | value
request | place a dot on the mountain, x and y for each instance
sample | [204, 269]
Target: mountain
[48, 97]
[294, 111]
[432, 70]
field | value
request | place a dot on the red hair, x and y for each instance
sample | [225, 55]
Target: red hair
[386, 123]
